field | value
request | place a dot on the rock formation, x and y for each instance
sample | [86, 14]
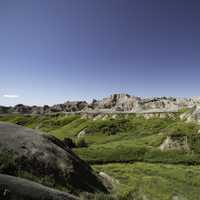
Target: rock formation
[30, 152]
[118, 102]
[113, 103]
[14, 188]
[192, 115]
[175, 143]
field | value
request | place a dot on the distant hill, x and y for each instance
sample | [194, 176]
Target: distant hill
[113, 103]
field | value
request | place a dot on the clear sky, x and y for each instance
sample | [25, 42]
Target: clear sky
[57, 50]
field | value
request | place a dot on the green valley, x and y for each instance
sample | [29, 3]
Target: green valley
[152, 158]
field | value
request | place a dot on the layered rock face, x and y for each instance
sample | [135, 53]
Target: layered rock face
[44, 156]
[175, 143]
[115, 102]
[69, 106]
[193, 115]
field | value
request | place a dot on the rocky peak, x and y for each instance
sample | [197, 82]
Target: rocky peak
[116, 102]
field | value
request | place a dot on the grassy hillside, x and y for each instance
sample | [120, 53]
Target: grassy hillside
[127, 147]
[154, 181]
[122, 139]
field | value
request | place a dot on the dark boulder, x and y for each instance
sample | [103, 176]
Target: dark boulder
[42, 157]
[14, 188]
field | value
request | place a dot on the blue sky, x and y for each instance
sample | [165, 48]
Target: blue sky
[57, 50]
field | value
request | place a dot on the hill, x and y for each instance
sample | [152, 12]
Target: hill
[153, 156]
[113, 103]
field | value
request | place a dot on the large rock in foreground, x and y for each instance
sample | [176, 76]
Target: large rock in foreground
[23, 151]
[13, 188]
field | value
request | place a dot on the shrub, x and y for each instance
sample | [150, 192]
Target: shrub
[109, 127]
[7, 163]
[182, 128]
[81, 143]
[69, 142]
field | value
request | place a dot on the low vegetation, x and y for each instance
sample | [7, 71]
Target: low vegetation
[127, 147]
[154, 181]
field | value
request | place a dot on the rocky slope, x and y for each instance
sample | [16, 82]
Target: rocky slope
[192, 115]
[113, 103]
[25, 152]
[12, 188]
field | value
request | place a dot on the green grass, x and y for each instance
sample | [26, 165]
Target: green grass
[71, 129]
[128, 149]
[122, 139]
[109, 127]
[140, 141]
[155, 181]
[59, 125]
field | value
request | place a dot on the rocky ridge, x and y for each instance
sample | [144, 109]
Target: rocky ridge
[113, 103]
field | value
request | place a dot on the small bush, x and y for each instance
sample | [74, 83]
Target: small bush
[109, 127]
[69, 143]
[182, 128]
[7, 163]
[81, 143]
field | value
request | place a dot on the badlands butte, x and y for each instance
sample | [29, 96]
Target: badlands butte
[116, 104]
[119, 148]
